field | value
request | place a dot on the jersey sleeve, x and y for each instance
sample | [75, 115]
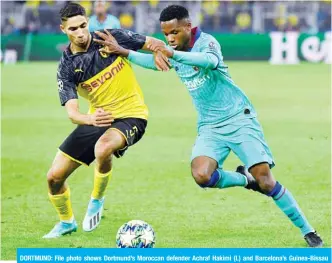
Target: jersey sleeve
[212, 46]
[128, 39]
[143, 60]
[66, 82]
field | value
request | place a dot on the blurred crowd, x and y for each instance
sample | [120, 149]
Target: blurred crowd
[41, 17]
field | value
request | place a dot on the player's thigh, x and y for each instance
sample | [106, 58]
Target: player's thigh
[122, 134]
[111, 141]
[210, 146]
[251, 147]
[79, 145]
[62, 167]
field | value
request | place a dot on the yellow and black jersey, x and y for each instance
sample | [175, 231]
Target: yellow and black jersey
[106, 81]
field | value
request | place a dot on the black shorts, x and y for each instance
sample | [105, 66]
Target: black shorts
[80, 144]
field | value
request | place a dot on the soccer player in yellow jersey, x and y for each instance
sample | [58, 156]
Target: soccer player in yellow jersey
[117, 117]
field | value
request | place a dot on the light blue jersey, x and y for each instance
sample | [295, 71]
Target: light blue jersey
[226, 118]
[227, 122]
[216, 97]
[111, 22]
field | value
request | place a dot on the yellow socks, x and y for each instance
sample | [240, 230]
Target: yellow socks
[62, 205]
[100, 184]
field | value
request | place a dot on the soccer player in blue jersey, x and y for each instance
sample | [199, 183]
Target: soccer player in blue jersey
[227, 120]
[101, 20]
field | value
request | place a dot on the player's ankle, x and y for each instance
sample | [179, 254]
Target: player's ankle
[68, 221]
[99, 198]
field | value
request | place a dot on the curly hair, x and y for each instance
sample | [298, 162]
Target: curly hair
[173, 12]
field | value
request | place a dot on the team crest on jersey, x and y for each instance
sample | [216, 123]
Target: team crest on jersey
[103, 54]
[212, 45]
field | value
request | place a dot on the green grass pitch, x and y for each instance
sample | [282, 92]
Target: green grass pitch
[153, 181]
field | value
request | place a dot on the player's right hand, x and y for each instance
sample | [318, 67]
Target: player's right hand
[101, 118]
[109, 43]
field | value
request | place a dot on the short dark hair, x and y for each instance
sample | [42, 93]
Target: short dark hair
[70, 10]
[173, 12]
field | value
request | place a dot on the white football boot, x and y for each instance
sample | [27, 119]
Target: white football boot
[93, 214]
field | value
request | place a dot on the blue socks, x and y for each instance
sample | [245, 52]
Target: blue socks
[224, 179]
[281, 196]
[286, 202]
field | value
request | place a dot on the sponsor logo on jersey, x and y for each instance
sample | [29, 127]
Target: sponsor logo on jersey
[103, 77]
[196, 83]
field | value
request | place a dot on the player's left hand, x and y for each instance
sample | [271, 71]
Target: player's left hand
[110, 44]
[157, 45]
[161, 61]
[154, 44]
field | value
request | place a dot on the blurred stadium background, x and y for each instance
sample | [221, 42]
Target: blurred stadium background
[41, 17]
[153, 182]
[30, 29]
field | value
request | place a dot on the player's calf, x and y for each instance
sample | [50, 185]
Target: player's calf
[286, 202]
[55, 181]
[108, 143]
[60, 170]
[59, 195]
[252, 183]
[263, 176]
[102, 175]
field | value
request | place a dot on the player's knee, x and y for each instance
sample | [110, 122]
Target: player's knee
[264, 178]
[104, 150]
[55, 180]
[201, 175]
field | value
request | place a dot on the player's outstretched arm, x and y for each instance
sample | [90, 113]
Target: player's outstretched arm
[200, 59]
[111, 46]
[208, 57]
[99, 118]
[156, 61]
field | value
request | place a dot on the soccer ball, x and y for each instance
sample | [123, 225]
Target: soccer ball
[135, 234]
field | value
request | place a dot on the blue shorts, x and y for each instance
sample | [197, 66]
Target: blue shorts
[244, 137]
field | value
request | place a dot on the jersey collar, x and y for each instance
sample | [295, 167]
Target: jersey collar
[195, 34]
